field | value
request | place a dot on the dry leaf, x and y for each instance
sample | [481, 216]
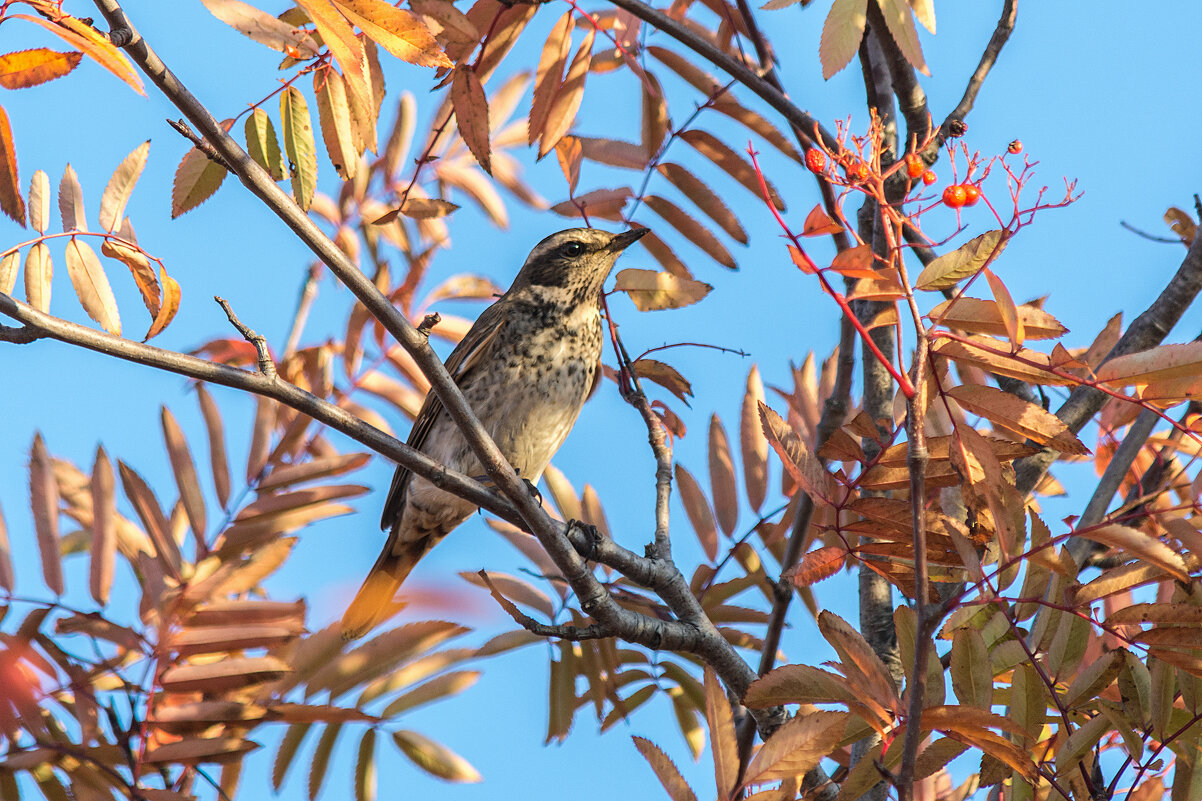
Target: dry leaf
[396, 30]
[185, 472]
[723, 483]
[753, 446]
[666, 770]
[651, 290]
[547, 77]
[949, 269]
[39, 201]
[692, 230]
[334, 114]
[705, 199]
[1015, 414]
[104, 528]
[70, 201]
[471, 113]
[196, 179]
[43, 496]
[262, 27]
[665, 375]
[731, 162]
[565, 104]
[92, 286]
[121, 186]
[38, 271]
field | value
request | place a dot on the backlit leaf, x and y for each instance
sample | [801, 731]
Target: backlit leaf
[92, 286]
[348, 51]
[140, 269]
[605, 204]
[262, 145]
[365, 767]
[818, 565]
[9, 264]
[972, 678]
[7, 577]
[665, 770]
[1140, 545]
[396, 30]
[692, 230]
[951, 268]
[655, 121]
[196, 179]
[335, 116]
[570, 153]
[94, 44]
[299, 146]
[705, 199]
[121, 186]
[471, 113]
[547, 77]
[170, 305]
[200, 750]
[435, 758]
[262, 27]
[819, 223]
[1015, 414]
[983, 317]
[731, 162]
[70, 201]
[1161, 363]
[39, 201]
[797, 746]
[665, 375]
[900, 22]
[43, 496]
[697, 507]
[651, 290]
[719, 716]
[216, 431]
[565, 104]
[31, 67]
[38, 271]
[803, 466]
[11, 202]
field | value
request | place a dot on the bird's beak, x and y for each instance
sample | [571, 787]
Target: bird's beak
[626, 239]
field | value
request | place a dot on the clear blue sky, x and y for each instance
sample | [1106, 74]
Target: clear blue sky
[1101, 94]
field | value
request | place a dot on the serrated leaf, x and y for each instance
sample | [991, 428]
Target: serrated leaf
[568, 97]
[797, 746]
[396, 30]
[949, 269]
[471, 114]
[289, 745]
[297, 131]
[97, 46]
[652, 291]
[348, 50]
[692, 230]
[803, 466]
[722, 735]
[547, 77]
[697, 507]
[1140, 545]
[435, 758]
[665, 375]
[705, 199]
[900, 22]
[972, 678]
[605, 204]
[121, 186]
[665, 770]
[196, 179]
[334, 114]
[655, 120]
[753, 446]
[1162, 363]
[169, 306]
[11, 202]
[262, 27]
[262, 146]
[318, 767]
[139, 267]
[92, 286]
[70, 201]
[1015, 414]
[818, 565]
[27, 68]
[731, 162]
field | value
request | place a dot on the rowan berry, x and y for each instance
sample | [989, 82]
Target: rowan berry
[929, 178]
[915, 166]
[857, 171]
[1016, 146]
[971, 194]
[815, 160]
[955, 196]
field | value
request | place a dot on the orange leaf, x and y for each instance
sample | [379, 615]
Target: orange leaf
[1011, 320]
[170, 305]
[697, 507]
[692, 230]
[803, 466]
[11, 202]
[32, 67]
[797, 746]
[547, 77]
[139, 268]
[565, 104]
[1156, 364]
[569, 152]
[818, 565]
[471, 113]
[1014, 413]
[731, 162]
[665, 770]
[334, 114]
[819, 223]
[94, 44]
[665, 375]
[399, 32]
[985, 317]
[855, 262]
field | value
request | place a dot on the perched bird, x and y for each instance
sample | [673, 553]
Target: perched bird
[526, 367]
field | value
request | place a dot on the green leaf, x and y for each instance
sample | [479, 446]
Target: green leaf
[262, 145]
[299, 145]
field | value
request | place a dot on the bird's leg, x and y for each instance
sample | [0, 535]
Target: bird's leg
[594, 537]
[492, 486]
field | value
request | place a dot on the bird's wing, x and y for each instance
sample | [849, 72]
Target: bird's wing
[465, 357]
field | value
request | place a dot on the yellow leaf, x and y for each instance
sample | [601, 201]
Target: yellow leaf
[169, 306]
[92, 286]
[651, 290]
[262, 146]
[335, 116]
[121, 186]
[435, 758]
[297, 130]
[262, 27]
[841, 35]
[38, 271]
[31, 67]
[396, 30]
[797, 746]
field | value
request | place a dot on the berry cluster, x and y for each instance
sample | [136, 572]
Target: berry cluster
[959, 195]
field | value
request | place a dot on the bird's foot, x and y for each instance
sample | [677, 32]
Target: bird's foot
[533, 490]
[590, 531]
[492, 486]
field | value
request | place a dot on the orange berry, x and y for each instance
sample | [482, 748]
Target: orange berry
[815, 160]
[929, 177]
[955, 196]
[857, 171]
[1016, 146]
[915, 166]
[971, 194]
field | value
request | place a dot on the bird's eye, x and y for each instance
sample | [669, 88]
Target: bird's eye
[573, 249]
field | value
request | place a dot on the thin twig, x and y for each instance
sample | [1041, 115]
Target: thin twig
[266, 363]
[199, 143]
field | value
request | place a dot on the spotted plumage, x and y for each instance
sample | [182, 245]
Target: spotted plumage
[526, 367]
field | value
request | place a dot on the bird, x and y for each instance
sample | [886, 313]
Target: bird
[526, 367]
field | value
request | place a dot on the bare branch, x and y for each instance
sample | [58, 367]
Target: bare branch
[266, 363]
[1001, 35]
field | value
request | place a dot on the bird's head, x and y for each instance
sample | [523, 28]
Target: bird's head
[570, 266]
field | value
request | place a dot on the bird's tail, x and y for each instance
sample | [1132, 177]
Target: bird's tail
[378, 590]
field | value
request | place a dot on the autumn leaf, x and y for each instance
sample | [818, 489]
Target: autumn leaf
[396, 30]
[196, 179]
[652, 291]
[705, 199]
[951, 268]
[435, 758]
[817, 565]
[547, 77]
[819, 223]
[605, 204]
[11, 202]
[692, 230]
[92, 285]
[39, 201]
[1015, 414]
[1162, 363]
[753, 446]
[169, 306]
[665, 770]
[797, 746]
[568, 97]
[121, 186]
[665, 375]
[38, 273]
[334, 114]
[297, 131]
[262, 145]
[984, 317]
[803, 466]
[44, 499]
[262, 27]
[28, 68]
[731, 162]
[80, 34]
[900, 21]
[471, 113]
[9, 264]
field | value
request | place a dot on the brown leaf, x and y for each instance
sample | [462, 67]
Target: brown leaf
[92, 286]
[146, 506]
[797, 746]
[568, 97]
[185, 473]
[547, 77]
[196, 179]
[43, 498]
[655, 120]
[722, 477]
[1015, 414]
[819, 223]
[697, 507]
[104, 528]
[753, 447]
[692, 230]
[1162, 363]
[27, 68]
[803, 466]
[448, 24]
[651, 290]
[217, 458]
[334, 114]
[121, 186]
[478, 186]
[435, 758]
[705, 199]
[722, 735]
[419, 208]
[969, 725]
[983, 352]
[1007, 308]
[605, 204]
[863, 668]
[471, 113]
[70, 201]
[1140, 545]
[731, 162]
[613, 152]
[855, 262]
[666, 770]
[262, 27]
[984, 317]
[7, 577]
[569, 153]
[38, 271]
[396, 30]
[771, 134]
[195, 751]
[949, 269]
[189, 641]
[665, 375]
[703, 82]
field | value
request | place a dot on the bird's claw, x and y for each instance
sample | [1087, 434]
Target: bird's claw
[594, 537]
[492, 486]
[538, 496]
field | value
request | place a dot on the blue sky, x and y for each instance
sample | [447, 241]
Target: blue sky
[1103, 97]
